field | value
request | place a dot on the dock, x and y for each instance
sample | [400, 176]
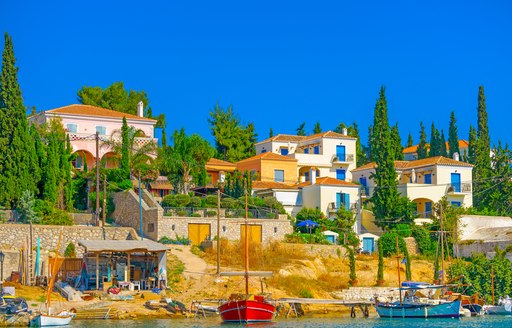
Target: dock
[296, 304]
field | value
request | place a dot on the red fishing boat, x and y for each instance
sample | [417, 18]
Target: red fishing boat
[246, 308]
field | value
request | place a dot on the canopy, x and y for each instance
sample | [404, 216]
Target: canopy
[307, 223]
[122, 246]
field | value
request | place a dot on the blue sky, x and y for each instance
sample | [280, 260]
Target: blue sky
[279, 63]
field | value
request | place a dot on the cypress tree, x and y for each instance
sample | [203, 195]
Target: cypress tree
[422, 146]
[18, 159]
[435, 147]
[396, 144]
[471, 155]
[410, 142]
[442, 143]
[361, 157]
[482, 170]
[317, 128]
[385, 196]
[164, 139]
[380, 269]
[125, 151]
[270, 133]
[453, 138]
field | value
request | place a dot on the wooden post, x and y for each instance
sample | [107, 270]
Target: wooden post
[398, 269]
[128, 265]
[492, 283]
[218, 231]
[104, 209]
[246, 244]
[97, 271]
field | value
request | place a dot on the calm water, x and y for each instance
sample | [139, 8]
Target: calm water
[487, 321]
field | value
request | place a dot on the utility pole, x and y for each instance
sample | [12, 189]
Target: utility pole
[97, 178]
[141, 230]
[442, 243]
[218, 231]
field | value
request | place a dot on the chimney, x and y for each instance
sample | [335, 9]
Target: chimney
[140, 109]
[456, 156]
[312, 174]
[344, 131]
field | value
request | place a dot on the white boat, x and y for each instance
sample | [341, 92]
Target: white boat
[47, 320]
[504, 307]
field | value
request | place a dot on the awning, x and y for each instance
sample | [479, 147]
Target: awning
[122, 246]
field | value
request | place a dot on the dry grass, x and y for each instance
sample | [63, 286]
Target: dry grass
[332, 272]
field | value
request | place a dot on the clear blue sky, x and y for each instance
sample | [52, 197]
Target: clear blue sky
[279, 63]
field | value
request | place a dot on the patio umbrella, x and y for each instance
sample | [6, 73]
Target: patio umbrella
[308, 224]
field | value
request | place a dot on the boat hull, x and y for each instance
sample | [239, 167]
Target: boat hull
[497, 310]
[475, 309]
[44, 320]
[419, 310]
[247, 311]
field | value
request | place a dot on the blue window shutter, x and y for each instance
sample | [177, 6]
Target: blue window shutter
[346, 200]
[428, 178]
[455, 179]
[306, 176]
[340, 153]
[284, 151]
[338, 199]
[306, 150]
[316, 150]
[340, 174]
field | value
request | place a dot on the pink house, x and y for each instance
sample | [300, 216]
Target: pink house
[83, 121]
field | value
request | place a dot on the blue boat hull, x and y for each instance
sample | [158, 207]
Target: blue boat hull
[418, 310]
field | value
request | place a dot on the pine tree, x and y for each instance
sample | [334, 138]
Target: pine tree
[410, 142]
[19, 169]
[482, 170]
[422, 146]
[386, 194]
[301, 131]
[317, 128]
[164, 138]
[453, 138]
[396, 144]
[471, 155]
[442, 144]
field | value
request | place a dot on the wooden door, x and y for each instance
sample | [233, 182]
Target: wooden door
[198, 232]
[255, 235]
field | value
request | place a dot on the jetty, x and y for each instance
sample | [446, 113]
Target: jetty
[295, 304]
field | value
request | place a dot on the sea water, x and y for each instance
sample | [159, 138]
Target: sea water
[484, 321]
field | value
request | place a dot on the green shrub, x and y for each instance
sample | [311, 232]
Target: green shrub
[403, 230]
[424, 240]
[229, 203]
[389, 243]
[305, 293]
[125, 184]
[177, 241]
[211, 201]
[70, 250]
[182, 213]
[195, 215]
[195, 202]
[211, 213]
[169, 201]
[182, 200]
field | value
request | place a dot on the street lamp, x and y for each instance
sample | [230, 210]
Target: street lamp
[2, 257]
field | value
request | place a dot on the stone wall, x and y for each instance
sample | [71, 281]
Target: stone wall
[272, 229]
[83, 218]
[127, 212]
[412, 246]
[326, 251]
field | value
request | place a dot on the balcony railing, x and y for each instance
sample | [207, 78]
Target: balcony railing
[461, 187]
[347, 158]
[74, 136]
[333, 208]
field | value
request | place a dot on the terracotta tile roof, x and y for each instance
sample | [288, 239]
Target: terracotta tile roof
[328, 181]
[271, 185]
[404, 165]
[414, 149]
[87, 110]
[295, 138]
[328, 134]
[217, 164]
[269, 156]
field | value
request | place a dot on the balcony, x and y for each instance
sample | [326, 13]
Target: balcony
[342, 159]
[459, 188]
[332, 208]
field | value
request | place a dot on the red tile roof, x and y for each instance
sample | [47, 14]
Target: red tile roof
[216, 163]
[414, 149]
[88, 110]
[269, 156]
[328, 181]
[295, 138]
[271, 185]
[328, 134]
[403, 165]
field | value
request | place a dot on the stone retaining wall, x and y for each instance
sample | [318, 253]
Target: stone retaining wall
[367, 293]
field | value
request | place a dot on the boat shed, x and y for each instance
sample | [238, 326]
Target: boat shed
[125, 262]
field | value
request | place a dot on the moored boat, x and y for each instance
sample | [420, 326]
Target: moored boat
[47, 320]
[418, 310]
[246, 309]
[504, 307]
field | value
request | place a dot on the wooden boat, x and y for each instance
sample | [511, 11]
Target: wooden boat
[246, 308]
[418, 309]
[49, 319]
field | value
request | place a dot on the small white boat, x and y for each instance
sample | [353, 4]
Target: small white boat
[46, 320]
[504, 307]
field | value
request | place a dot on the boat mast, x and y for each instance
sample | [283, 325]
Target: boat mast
[398, 270]
[492, 283]
[442, 243]
[246, 245]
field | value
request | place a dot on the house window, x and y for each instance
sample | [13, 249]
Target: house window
[284, 151]
[279, 175]
[316, 150]
[78, 162]
[340, 174]
[428, 209]
[71, 127]
[263, 151]
[455, 181]
[306, 150]
[342, 200]
[151, 227]
[317, 173]
[340, 153]
[101, 130]
[306, 176]
[428, 178]
[456, 204]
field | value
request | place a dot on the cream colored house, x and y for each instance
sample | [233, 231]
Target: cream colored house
[329, 153]
[426, 181]
[83, 121]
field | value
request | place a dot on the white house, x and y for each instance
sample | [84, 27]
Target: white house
[290, 196]
[331, 154]
[426, 181]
